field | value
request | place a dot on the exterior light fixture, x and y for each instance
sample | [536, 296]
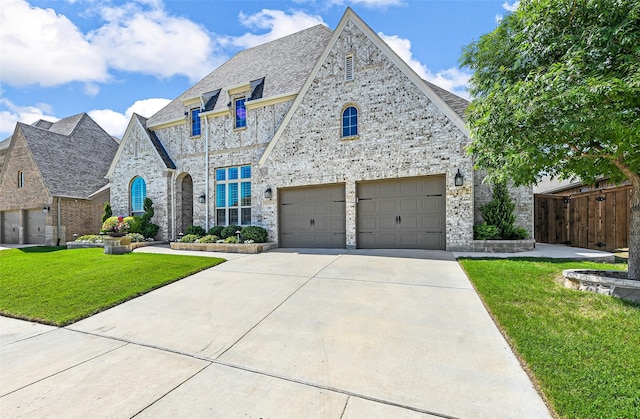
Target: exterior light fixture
[268, 193]
[46, 209]
[202, 198]
[238, 235]
[458, 180]
[566, 199]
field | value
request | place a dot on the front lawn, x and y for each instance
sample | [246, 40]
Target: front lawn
[583, 349]
[56, 286]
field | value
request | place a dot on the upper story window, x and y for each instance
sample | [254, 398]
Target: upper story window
[138, 194]
[20, 180]
[350, 122]
[195, 122]
[240, 113]
[233, 195]
[348, 68]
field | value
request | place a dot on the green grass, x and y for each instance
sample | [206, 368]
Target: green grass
[56, 286]
[583, 349]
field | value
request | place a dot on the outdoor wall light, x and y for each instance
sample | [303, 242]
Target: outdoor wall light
[566, 199]
[202, 198]
[268, 193]
[458, 180]
[46, 209]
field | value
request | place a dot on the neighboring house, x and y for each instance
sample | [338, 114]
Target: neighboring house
[326, 138]
[52, 180]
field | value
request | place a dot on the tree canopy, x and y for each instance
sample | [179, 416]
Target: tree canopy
[556, 91]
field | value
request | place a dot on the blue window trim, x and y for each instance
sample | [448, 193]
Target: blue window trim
[195, 122]
[350, 122]
[138, 194]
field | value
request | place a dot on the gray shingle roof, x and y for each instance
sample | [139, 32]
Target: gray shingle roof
[284, 63]
[455, 102]
[157, 143]
[73, 155]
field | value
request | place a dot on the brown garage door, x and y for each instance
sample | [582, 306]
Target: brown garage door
[402, 213]
[10, 227]
[312, 217]
[35, 226]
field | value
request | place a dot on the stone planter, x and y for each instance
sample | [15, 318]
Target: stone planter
[117, 245]
[503, 246]
[602, 282]
[224, 247]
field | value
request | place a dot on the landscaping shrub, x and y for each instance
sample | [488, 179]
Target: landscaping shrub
[196, 230]
[189, 238]
[91, 238]
[231, 239]
[520, 233]
[149, 229]
[216, 231]
[116, 224]
[229, 231]
[486, 231]
[107, 212]
[135, 224]
[209, 238]
[136, 237]
[255, 233]
[500, 211]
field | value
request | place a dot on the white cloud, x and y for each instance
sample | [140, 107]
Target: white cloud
[147, 40]
[11, 114]
[115, 123]
[452, 79]
[278, 24]
[510, 7]
[42, 47]
[370, 4]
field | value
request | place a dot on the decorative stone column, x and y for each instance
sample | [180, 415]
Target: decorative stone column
[116, 245]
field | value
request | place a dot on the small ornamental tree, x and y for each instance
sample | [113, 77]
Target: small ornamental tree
[556, 91]
[500, 211]
[149, 229]
[107, 212]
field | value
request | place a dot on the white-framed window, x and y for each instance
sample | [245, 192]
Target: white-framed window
[20, 179]
[348, 68]
[233, 195]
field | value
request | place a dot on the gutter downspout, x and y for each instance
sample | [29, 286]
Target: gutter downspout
[206, 165]
[173, 205]
[59, 221]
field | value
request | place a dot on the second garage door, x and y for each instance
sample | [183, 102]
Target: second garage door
[312, 217]
[35, 226]
[402, 213]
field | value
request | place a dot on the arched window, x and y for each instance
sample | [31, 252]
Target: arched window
[350, 122]
[138, 194]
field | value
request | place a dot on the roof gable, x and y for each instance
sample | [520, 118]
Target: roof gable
[433, 93]
[73, 157]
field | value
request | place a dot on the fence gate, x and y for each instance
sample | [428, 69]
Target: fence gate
[592, 220]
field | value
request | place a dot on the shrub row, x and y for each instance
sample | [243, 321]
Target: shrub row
[197, 234]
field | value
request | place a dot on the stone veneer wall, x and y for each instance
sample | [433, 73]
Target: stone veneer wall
[401, 134]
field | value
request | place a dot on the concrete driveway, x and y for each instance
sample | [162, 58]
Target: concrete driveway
[283, 334]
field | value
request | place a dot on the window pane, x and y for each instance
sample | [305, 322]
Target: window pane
[246, 216]
[138, 194]
[245, 194]
[233, 216]
[245, 172]
[221, 217]
[195, 122]
[233, 195]
[233, 173]
[221, 174]
[241, 114]
[221, 196]
[350, 122]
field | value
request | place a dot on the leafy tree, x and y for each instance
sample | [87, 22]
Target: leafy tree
[556, 91]
[107, 212]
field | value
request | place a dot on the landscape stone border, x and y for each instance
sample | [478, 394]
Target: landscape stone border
[602, 282]
[225, 247]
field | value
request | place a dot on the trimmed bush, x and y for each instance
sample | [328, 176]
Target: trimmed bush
[499, 211]
[229, 231]
[135, 225]
[91, 238]
[520, 233]
[107, 212]
[255, 233]
[486, 231]
[216, 231]
[149, 229]
[231, 239]
[136, 237]
[189, 238]
[208, 239]
[195, 230]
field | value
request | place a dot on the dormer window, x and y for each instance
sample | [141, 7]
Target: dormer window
[195, 122]
[240, 113]
[348, 68]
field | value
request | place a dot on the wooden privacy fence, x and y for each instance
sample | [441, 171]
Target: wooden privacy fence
[592, 220]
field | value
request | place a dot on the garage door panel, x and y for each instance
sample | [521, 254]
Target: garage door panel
[35, 226]
[401, 213]
[316, 217]
[11, 227]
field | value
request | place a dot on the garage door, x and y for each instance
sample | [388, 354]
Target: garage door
[312, 217]
[35, 226]
[10, 227]
[401, 214]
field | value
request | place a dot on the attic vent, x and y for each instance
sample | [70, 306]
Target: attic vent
[348, 68]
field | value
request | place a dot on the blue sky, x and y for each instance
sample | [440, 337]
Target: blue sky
[111, 58]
